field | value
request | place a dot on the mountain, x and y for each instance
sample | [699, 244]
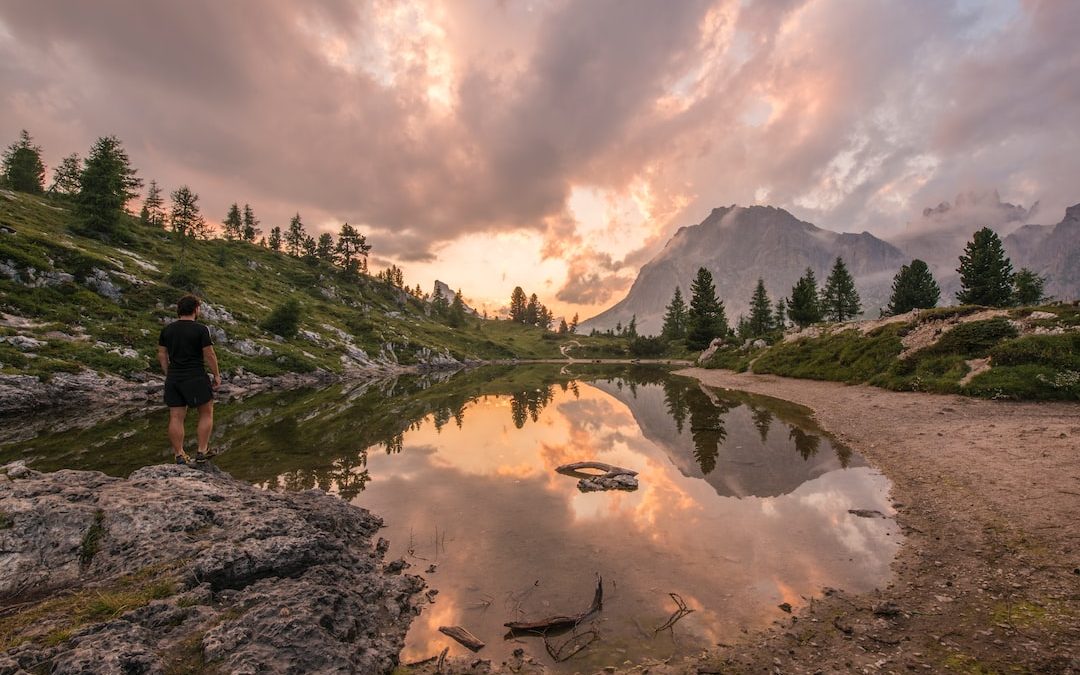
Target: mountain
[1052, 251]
[740, 244]
[443, 290]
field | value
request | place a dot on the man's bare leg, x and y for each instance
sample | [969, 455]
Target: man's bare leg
[176, 429]
[206, 425]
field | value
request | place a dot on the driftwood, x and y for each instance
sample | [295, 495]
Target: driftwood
[467, 639]
[681, 610]
[555, 623]
[612, 478]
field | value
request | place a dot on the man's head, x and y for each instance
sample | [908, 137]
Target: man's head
[187, 306]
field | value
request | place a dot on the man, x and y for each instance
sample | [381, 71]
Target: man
[184, 351]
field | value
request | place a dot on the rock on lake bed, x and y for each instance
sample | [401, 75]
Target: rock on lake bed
[177, 565]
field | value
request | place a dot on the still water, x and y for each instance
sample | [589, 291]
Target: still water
[742, 505]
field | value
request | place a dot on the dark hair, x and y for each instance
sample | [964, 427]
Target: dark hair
[187, 305]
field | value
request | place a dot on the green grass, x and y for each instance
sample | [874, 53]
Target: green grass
[91, 542]
[848, 356]
[246, 280]
[1031, 367]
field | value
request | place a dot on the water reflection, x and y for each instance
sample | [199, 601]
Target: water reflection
[742, 502]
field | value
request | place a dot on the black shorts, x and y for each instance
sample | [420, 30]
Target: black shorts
[191, 391]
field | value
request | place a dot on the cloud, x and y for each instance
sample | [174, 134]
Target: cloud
[424, 121]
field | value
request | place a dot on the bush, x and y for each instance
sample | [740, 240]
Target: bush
[185, 278]
[648, 347]
[284, 320]
[1057, 351]
[846, 357]
[974, 339]
[1030, 381]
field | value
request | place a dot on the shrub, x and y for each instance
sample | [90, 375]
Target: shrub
[1057, 351]
[974, 339]
[284, 320]
[1029, 381]
[185, 278]
[647, 347]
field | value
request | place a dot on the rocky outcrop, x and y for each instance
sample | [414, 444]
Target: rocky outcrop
[178, 565]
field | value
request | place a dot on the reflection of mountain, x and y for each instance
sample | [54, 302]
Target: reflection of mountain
[756, 452]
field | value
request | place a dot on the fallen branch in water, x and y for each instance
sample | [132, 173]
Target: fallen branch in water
[467, 639]
[680, 611]
[576, 643]
[542, 626]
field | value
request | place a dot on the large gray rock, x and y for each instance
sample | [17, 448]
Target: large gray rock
[256, 581]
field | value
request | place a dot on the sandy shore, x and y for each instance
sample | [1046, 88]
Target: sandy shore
[988, 496]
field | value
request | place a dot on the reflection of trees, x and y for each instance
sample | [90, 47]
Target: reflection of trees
[350, 481]
[675, 400]
[762, 420]
[528, 404]
[706, 428]
[394, 445]
[805, 444]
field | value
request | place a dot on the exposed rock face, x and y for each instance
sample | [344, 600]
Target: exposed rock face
[443, 290]
[246, 580]
[1052, 251]
[738, 245]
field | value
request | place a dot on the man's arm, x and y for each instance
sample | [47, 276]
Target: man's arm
[211, 360]
[163, 359]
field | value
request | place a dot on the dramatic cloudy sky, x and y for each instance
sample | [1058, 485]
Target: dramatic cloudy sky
[556, 145]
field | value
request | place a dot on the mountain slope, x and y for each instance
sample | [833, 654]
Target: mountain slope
[738, 245]
[1052, 251]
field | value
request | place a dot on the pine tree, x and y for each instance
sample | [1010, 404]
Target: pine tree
[351, 249]
[913, 287]
[574, 323]
[234, 224]
[106, 185]
[803, 308]
[1029, 287]
[518, 303]
[706, 319]
[294, 236]
[250, 229]
[22, 167]
[324, 249]
[532, 311]
[675, 317]
[780, 314]
[986, 274]
[154, 206]
[631, 327]
[457, 310]
[66, 176]
[185, 218]
[275, 239]
[760, 322]
[839, 299]
[563, 327]
[309, 250]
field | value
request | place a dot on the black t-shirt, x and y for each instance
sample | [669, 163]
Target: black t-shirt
[184, 340]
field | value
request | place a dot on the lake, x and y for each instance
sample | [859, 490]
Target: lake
[742, 505]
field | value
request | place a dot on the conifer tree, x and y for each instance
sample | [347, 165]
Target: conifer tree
[22, 168]
[66, 176]
[1029, 287]
[250, 229]
[324, 248]
[675, 317]
[184, 217]
[275, 239]
[457, 310]
[234, 224]
[706, 319]
[153, 210]
[310, 250]
[631, 327]
[564, 328]
[780, 314]
[986, 274]
[294, 236]
[803, 308]
[106, 185]
[352, 249]
[518, 303]
[532, 311]
[913, 287]
[839, 299]
[574, 323]
[760, 322]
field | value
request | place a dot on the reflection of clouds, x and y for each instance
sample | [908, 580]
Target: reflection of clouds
[509, 521]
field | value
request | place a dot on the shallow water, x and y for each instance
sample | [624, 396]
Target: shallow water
[743, 503]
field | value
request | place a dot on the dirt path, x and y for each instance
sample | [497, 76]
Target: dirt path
[988, 495]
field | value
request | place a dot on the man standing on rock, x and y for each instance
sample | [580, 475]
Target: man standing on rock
[184, 349]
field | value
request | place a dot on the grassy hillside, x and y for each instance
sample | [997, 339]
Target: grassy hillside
[73, 302]
[1024, 353]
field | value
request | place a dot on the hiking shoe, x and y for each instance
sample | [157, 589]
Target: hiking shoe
[203, 456]
[182, 458]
